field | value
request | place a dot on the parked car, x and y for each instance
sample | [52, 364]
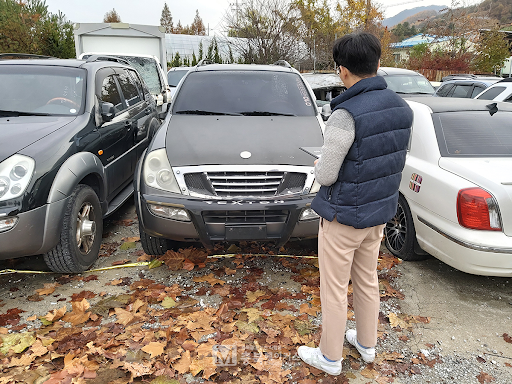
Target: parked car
[463, 88]
[468, 76]
[500, 91]
[174, 75]
[227, 164]
[149, 69]
[71, 133]
[406, 82]
[455, 198]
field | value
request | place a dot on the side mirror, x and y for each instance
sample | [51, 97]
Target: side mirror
[163, 112]
[326, 112]
[107, 111]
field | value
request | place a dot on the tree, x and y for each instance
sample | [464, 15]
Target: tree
[112, 17]
[197, 26]
[179, 28]
[194, 59]
[269, 29]
[359, 15]
[403, 31]
[28, 27]
[492, 51]
[200, 50]
[166, 19]
[176, 61]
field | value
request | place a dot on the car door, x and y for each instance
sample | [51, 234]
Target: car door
[116, 135]
[140, 112]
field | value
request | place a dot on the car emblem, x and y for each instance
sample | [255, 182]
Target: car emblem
[245, 154]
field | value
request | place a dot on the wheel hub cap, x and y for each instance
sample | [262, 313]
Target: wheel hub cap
[85, 228]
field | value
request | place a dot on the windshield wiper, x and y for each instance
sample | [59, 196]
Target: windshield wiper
[20, 113]
[200, 112]
[259, 113]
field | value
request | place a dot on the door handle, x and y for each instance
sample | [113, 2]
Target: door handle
[128, 124]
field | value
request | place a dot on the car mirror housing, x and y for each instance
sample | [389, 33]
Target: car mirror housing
[326, 112]
[163, 113]
[107, 111]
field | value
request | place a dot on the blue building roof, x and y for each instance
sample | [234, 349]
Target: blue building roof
[420, 38]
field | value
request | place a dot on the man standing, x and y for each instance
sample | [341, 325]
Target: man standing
[360, 169]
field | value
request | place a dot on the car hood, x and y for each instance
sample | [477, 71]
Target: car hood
[492, 174]
[209, 140]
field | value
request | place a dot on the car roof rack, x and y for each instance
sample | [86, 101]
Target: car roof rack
[17, 56]
[94, 58]
[204, 62]
[282, 63]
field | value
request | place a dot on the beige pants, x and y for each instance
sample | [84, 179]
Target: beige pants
[344, 251]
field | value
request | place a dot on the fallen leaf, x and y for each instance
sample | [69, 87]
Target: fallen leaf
[507, 338]
[304, 308]
[484, 378]
[253, 296]
[120, 262]
[183, 363]
[209, 279]
[124, 317]
[168, 302]
[188, 265]
[18, 342]
[131, 239]
[48, 289]
[55, 314]
[154, 348]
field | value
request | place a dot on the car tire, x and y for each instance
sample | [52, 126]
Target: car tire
[400, 234]
[154, 246]
[81, 233]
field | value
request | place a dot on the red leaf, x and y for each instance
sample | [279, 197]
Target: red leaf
[12, 317]
[507, 338]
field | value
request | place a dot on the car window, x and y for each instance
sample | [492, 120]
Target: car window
[478, 89]
[147, 67]
[110, 93]
[491, 93]
[461, 91]
[130, 91]
[53, 90]
[174, 77]
[409, 84]
[244, 92]
[444, 89]
[474, 133]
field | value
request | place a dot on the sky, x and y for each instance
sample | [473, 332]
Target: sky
[211, 11]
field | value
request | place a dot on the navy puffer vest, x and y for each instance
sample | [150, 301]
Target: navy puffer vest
[366, 192]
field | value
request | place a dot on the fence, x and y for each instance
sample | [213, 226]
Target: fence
[433, 74]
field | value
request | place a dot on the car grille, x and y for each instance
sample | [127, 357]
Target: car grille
[246, 184]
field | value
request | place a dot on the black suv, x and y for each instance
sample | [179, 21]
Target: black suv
[71, 132]
[227, 164]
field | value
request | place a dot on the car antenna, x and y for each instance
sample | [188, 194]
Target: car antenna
[493, 108]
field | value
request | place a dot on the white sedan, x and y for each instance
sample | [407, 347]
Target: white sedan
[456, 192]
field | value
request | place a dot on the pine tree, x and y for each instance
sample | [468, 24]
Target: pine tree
[200, 50]
[179, 28]
[197, 27]
[166, 19]
[112, 17]
[194, 59]
[216, 56]
[176, 62]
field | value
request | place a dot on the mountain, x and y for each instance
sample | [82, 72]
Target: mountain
[399, 17]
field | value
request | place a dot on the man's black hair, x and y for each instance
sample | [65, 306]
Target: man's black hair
[358, 52]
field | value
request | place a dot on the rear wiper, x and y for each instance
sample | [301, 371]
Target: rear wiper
[259, 113]
[200, 112]
[4, 113]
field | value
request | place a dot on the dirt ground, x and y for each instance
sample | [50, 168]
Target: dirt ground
[165, 324]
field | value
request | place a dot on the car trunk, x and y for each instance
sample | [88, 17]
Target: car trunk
[492, 174]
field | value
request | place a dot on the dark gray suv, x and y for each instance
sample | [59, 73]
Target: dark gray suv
[227, 163]
[71, 132]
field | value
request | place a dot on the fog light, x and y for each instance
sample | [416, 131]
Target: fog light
[308, 214]
[7, 223]
[169, 212]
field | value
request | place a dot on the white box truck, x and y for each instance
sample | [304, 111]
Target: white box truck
[143, 46]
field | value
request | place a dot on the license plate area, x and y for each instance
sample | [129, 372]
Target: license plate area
[246, 232]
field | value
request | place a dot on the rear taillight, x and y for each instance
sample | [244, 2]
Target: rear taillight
[477, 209]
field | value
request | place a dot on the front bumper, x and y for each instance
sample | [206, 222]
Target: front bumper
[35, 232]
[228, 220]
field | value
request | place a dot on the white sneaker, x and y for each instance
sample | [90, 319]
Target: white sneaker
[368, 354]
[315, 358]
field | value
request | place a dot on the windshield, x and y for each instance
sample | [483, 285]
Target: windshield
[174, 77]
[409, 84]
[474, 133]
[148, 69]
[41, 90]
[249, 93]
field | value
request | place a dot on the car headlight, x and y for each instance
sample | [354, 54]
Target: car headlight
[158, 173]
[315, 188]
[15, 174]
